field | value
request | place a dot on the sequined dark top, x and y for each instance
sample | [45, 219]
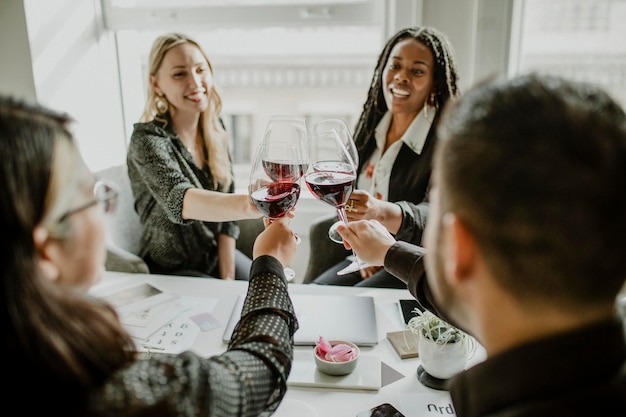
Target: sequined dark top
[161, 170]
[249, 379]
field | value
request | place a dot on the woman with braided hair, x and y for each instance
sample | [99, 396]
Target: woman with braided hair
[414, 78]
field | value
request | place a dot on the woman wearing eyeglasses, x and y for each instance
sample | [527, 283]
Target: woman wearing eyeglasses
[69, 352]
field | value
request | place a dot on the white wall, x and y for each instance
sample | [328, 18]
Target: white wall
[15, 65]
[479, 33]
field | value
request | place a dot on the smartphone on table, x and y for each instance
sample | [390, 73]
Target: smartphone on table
[382, 410]
[407, 308]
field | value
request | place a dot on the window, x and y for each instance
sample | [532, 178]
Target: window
[316, 58]
[280, 58]
[578, 39]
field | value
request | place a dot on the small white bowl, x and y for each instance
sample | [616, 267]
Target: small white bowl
[337, 368]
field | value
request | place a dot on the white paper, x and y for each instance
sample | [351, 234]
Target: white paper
[175, 337]
[426, 404]
[178, 334]
[159, 321]
[144, 318]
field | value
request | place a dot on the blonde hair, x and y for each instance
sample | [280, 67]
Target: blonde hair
[215, 139]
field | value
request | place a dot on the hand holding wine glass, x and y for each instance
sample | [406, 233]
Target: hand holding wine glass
[332, 173]
[273, 186]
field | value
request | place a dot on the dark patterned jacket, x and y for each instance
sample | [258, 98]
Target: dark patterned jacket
[249, 379]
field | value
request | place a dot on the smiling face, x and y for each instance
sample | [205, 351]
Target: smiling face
[408, 78]
[185, 79]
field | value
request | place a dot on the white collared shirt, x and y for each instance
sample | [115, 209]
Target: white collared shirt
[376, 173]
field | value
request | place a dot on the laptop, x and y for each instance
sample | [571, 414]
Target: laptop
[333, 317]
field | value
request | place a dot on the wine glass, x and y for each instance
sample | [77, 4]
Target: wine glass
[332, 175]
[290, 129]
[343, 133]
[273, 185]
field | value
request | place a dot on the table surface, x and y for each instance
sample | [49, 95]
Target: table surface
[320, 402]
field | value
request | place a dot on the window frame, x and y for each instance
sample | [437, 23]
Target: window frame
[331, 13]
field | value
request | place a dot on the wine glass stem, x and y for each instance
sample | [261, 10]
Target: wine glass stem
[344, 218]
[342, 214]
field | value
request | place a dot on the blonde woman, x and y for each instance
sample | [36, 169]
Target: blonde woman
[180, 169]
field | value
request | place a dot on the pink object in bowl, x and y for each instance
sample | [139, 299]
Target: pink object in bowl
[336, 357]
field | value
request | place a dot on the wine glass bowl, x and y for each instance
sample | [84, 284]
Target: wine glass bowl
[332, 173]
[289, 129]
[331, 187]
[341, 131]
[273, 183]
[280, 161]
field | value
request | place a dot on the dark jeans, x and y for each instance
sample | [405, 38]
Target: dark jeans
[381, 279]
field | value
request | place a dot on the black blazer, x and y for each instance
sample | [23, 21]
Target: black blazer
[410, 174]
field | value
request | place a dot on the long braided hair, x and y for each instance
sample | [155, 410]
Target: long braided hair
[445, 82]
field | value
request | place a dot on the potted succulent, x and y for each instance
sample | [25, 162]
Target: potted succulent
[443, 349]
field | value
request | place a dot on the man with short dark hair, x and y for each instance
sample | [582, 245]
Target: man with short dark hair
[525, 246]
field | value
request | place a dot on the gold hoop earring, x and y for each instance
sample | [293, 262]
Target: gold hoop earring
[432, 99]
[161, 104]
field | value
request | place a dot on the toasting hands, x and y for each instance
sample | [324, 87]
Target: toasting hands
[369, 239]
[277, 240]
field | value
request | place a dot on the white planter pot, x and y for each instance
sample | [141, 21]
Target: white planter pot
[442, 361]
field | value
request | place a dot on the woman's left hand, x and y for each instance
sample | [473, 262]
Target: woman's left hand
[368, 271]
[363, 206]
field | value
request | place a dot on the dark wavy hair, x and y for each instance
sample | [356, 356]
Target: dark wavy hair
[63, 342]
[536, 168]
[445, 82]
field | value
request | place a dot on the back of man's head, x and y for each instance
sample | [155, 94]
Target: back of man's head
[536, 167]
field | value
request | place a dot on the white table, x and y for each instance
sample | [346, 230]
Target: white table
[326, 402]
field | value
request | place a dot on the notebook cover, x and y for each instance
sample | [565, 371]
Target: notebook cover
[404, 343]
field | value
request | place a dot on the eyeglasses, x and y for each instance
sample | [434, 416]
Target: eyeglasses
[104, 193]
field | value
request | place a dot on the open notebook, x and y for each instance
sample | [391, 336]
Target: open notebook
[342, 317]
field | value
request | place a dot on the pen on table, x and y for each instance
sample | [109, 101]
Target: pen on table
[152, 347]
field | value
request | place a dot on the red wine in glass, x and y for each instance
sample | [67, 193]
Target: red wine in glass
[333, 166]
[273, 186]
[333, 188]
[284, 170]
[276, 199]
